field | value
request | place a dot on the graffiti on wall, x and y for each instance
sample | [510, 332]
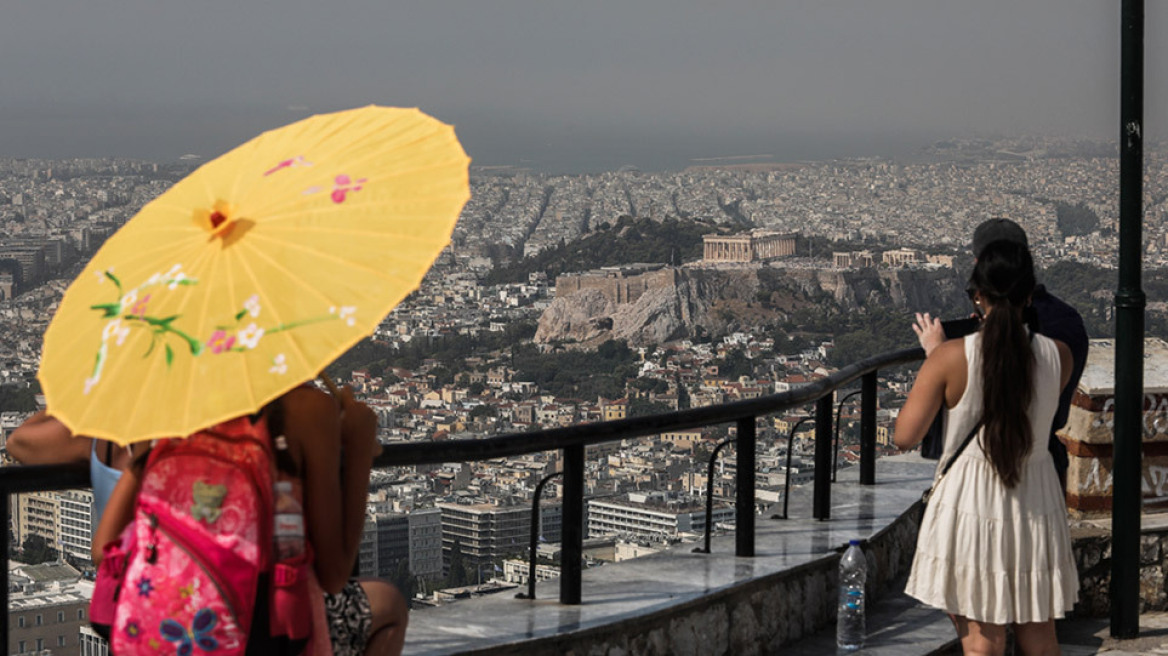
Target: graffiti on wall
[1154, 483]
[1155, 415]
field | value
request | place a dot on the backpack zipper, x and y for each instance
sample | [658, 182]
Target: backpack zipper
[157, 525]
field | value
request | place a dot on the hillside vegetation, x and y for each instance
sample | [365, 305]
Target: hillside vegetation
[630, 240]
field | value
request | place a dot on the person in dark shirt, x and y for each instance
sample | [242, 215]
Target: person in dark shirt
[1055, 319]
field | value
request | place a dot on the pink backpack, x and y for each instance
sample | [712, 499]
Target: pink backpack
[188, 571]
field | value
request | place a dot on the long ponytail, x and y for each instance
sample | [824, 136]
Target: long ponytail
[1004, 277]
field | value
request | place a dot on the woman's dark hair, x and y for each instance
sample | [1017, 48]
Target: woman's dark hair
[1004, 276]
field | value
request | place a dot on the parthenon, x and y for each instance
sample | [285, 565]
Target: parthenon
[747, 247]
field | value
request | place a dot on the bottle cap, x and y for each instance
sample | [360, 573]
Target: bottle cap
[854, 543]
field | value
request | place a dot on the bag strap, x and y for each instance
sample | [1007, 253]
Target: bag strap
[965, 443]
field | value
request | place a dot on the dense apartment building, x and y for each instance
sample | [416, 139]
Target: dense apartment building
[75, 512]
[487, 533]
[393, 542]
[652, 514]
[425, 543]
[48, 604]
[63, 519]
[390, 539]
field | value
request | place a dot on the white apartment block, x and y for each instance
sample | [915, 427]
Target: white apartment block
[64, 519]
[652, 514]
[76, 527]
[519, 571]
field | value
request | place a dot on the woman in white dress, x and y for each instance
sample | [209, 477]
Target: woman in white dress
[994, 549]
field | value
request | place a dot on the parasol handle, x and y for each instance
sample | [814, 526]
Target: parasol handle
[332, 387]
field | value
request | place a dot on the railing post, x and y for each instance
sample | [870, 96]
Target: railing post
[787, 478]
[710, 494]
[821, 501]
[5, 498]
[572, 536]
[868, 429]
[744, 500]
[839, 412]
[534, 540]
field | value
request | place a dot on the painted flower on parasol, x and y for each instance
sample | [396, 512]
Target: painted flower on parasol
[252, 274]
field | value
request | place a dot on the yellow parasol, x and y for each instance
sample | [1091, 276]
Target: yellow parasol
[252, 274]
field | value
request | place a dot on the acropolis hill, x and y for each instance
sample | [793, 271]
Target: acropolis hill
[654, 304]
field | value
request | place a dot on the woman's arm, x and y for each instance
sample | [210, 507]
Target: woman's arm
[359, 446]
[312, 422]
[928, 393]
[119, 510]
[1067, 363]
[44, 440]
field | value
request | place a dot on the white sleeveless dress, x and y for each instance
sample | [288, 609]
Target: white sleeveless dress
[984, 551]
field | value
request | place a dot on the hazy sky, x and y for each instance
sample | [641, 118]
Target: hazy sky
[584, 85]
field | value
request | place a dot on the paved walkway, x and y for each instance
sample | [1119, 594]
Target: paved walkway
[1080, 637]
[1092, 635]
[904, 628]
[627, 591]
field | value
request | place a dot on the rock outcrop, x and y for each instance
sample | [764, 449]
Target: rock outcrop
[717, 300]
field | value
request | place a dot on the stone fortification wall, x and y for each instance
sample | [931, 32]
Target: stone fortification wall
[620, 286]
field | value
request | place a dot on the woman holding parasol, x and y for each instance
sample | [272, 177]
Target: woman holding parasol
[236, 285]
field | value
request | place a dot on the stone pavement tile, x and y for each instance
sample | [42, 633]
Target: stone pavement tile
[898, 625]
[1091, 635]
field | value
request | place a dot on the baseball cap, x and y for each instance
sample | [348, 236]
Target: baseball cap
[997, 230]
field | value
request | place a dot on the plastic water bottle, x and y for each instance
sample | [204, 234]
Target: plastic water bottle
[288, 529]
[853, 570]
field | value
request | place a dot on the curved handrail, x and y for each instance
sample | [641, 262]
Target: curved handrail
[571, 440]
[513, 444]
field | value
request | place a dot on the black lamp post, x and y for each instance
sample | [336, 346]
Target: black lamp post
[1129, 332]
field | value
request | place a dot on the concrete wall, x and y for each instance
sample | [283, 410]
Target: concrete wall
[756, 617]
[1088, 433]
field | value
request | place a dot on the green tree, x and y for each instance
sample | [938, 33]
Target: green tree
[36, 550]
[735, 364]
[484, 410]
[442, 375]
[17, 398]
[405, 580]
[1077, 219]
[683, 400]
[457, 577]
[631, 240]
[645, 407]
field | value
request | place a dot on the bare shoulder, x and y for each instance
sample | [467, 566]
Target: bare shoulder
[949, 353]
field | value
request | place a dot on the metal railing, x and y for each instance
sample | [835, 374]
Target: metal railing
[572, 440]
